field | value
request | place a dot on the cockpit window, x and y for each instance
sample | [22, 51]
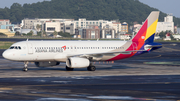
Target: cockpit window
[15, 47]
[11, 47]
[19, 47]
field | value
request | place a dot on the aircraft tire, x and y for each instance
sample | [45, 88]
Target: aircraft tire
[69, 69]
[91, 68]
[25, 69]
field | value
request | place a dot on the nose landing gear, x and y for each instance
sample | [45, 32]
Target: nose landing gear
[25, 66]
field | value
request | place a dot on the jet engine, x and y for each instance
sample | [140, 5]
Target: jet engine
[76, 62]
[46, 64]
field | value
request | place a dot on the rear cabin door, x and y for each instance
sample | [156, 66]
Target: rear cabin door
[30, 48]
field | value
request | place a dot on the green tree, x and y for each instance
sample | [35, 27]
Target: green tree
[2, 34]
[124, 10]
[65, 34]
[162, 35]
[29, 34]
[17, 34]
[55, 33]
[38, 27]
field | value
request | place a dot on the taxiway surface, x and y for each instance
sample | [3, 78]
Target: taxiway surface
[151, 76]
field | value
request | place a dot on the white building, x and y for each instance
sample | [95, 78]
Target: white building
[117, 26]
[137, 27]
[69, 25]
[178, 30]
[50, 27]
[167, 25]
[4, 23]
[113, 25]
[83, 23]
[108, 32]
[31, 23]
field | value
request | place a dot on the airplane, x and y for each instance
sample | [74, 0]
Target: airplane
[82, 54]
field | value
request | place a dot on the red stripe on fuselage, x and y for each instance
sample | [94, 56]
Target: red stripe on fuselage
[123, 56]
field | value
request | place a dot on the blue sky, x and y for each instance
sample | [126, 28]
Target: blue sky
[166, 6]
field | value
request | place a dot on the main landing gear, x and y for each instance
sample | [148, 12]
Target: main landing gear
[91, 68]
[25, 66]
[69, 69]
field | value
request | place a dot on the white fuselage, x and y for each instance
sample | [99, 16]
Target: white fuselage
[60, 50]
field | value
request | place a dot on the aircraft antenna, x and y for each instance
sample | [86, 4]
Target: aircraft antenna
[98, 39]
[27, 40]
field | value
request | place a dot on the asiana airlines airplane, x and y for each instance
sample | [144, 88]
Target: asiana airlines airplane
[81, 54]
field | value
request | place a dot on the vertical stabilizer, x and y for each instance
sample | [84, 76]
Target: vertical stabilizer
[148, 29]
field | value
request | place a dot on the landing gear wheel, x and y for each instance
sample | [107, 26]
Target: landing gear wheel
[25, 69]
[69, 69]
[91, 68]
[25, 66]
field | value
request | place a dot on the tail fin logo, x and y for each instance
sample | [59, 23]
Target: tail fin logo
[142, 37]
[148, 29]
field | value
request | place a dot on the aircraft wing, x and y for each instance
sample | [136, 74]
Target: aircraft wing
[100, 54]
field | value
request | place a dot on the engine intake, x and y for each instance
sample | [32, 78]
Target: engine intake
[76, 62]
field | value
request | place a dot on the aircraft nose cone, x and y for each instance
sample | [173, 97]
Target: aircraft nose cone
[6, 55]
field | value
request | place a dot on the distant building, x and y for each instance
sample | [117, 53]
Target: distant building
[137, 27]
[175, 30]
[83, 23]
[29, 23]
[178, 30]
[51, 27]
[117, 27]
[108, 32]
[167, 25]
[26, 31]
[6, 27]
[91, 32]
[112, 25]
[68, 27]
[167, 36]
[124, 36]
[45, 23]
[124, 27]
[4, 22]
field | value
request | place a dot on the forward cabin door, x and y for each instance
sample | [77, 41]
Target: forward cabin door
[30, 48]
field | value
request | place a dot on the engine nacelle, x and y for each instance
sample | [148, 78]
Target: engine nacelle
[76, 62]
[46, 64]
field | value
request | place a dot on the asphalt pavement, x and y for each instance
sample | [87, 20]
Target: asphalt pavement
[152, 76]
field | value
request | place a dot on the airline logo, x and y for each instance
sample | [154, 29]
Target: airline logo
[64, 47]
[50, 49]
[142, 37]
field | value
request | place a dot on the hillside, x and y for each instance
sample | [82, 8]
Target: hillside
[123, 10]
